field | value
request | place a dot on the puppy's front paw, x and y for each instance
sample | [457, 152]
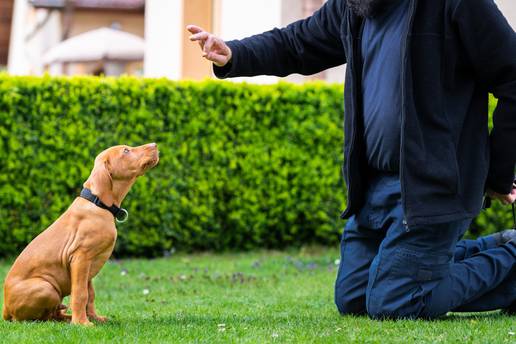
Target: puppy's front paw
[85, 323]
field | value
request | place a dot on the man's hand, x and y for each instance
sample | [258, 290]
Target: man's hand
[505, 199]
[214, 49]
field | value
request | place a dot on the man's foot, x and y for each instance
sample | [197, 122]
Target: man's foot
[505, 236]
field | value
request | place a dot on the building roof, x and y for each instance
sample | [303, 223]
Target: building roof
[93, 4]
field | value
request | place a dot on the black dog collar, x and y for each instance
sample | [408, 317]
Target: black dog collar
[120, 214]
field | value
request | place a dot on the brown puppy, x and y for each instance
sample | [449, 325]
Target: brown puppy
[63, 259]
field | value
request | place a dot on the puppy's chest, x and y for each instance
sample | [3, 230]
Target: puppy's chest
[98, 262]
[100, 259]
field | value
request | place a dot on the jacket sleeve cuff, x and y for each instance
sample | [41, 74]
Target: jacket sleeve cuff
[230, 69]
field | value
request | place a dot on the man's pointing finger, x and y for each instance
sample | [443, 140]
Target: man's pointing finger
[202, 36]
[194, 29]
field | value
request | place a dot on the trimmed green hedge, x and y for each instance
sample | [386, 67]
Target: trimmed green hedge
[499, 216]
[242, 166]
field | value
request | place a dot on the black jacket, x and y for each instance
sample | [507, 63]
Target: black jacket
[455, 53]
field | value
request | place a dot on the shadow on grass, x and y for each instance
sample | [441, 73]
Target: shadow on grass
[454, 317]
[477, 316]
[209, 322]
[212, 320]
[196, 320]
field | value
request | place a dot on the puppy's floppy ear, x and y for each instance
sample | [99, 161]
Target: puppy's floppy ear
[100, 182]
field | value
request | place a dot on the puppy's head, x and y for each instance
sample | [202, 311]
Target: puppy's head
[120, 165]
[124, 162]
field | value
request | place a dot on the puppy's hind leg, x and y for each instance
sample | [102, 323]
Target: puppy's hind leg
[33, 299]
[60, 314]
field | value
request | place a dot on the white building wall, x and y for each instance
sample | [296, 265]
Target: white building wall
[18, 62]
[46, 38]
[508, 8]
[163, 38]
[33, 33]
[240, 19]
[235, 19]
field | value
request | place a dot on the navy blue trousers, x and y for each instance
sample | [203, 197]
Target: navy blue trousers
[389, 271]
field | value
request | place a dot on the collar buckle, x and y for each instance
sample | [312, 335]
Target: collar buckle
[122, 216]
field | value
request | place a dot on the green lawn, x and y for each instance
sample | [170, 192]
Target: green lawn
[251, 298]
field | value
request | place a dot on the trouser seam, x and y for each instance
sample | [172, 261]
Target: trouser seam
[370, 295]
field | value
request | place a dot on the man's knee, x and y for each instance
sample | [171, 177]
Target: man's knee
[402, 288]
[386, 301]
[347, 304]
[350, 307]
[382, 311]
[379, 310]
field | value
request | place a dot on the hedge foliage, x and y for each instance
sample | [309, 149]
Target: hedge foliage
[242, 166]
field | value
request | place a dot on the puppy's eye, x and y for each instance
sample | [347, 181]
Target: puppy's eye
[126, 150]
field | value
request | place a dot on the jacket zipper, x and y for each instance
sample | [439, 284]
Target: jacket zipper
[353, 119]
[404, 64]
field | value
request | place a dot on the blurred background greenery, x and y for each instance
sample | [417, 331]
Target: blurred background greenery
[242, 166]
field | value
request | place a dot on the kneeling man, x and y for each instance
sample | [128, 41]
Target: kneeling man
[418, 153]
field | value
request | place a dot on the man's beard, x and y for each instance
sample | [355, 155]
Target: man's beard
[369, 8]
